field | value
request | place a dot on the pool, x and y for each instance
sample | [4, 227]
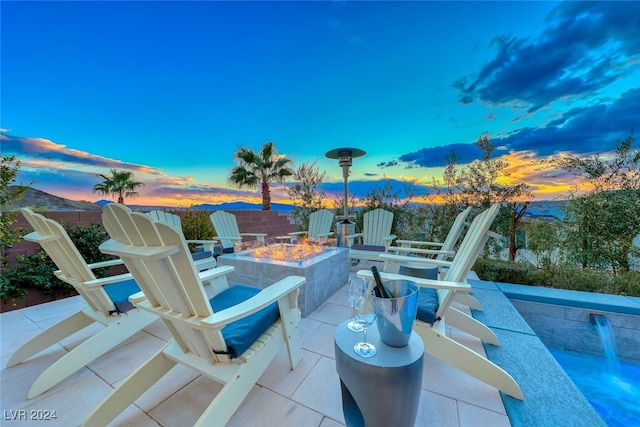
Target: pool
[612, 388]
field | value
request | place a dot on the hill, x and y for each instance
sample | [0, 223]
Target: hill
[38, 199]
[34, 198]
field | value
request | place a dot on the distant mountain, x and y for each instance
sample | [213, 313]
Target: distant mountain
[38, 199]
[34, 198]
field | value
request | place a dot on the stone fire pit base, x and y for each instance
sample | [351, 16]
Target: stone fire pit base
[324, 273]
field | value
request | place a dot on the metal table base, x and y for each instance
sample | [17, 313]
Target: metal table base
[383, 390]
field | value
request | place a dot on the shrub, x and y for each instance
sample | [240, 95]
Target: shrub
[521, 273]
[37, 270]
[560, 277]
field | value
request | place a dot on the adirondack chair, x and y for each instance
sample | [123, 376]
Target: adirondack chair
[319, 227]
[228, 232]
[231, 338]
[434, 305]
[107, 304]
[204, 259]
[445, 249]
[445, 252]
[375, 237]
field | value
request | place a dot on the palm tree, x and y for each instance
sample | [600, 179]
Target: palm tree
[120, 182]
[261, 168]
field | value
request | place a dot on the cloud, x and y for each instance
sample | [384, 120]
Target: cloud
[42, 149]
[436, 156]
[585, 47]
[579, 131]
[361, 188]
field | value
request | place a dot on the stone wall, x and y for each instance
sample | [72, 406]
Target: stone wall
[274, 223]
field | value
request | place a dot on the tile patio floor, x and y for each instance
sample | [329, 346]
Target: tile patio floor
[308, 396]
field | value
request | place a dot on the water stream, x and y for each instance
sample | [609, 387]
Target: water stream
[613, 388]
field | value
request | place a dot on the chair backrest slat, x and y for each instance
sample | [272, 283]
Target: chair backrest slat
[454, 232]
[166, 217]
[158, 257]
[320, 223]
[55, 241]
[225, 225]
[376, 226]
[469, 250]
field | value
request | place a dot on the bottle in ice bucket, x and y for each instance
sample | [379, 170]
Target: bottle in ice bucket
[380, 289]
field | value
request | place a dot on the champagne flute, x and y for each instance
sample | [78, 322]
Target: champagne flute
[352, 291]
[365, 315]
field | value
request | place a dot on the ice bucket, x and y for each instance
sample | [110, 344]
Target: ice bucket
[395, 316]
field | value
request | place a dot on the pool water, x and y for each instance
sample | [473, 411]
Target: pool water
[612, 389]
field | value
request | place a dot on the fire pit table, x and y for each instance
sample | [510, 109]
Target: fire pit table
[326, 269]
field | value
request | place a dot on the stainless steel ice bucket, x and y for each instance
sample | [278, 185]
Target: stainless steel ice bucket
[395, 316]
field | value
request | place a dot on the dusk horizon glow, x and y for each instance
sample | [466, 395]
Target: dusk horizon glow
[170, 90]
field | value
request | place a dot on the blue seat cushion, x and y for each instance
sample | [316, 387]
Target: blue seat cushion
[200, 255]
[373, 248]
[119, 293]
[427, 305]
[239, 335]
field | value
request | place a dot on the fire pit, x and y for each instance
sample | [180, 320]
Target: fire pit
[326, 269]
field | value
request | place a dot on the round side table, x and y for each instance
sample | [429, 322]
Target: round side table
[383, 390]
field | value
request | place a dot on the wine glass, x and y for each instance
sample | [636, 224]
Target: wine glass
[352, 291]
[365, 315]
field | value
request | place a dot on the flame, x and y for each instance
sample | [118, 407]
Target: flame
[288, 252]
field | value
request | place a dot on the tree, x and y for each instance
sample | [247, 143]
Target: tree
[305, 193]
[9, 167]
[260, 169]
[120, 183]
[480, 184]
[605, 220]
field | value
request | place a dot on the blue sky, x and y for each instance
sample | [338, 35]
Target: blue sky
[169, 90]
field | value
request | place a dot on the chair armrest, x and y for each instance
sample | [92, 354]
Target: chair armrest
[212, 273]
[107, 280]
[406, 249]
[427, 283]
[418, 243]
[264, 298]
[209, 244]
[294, 235]
[388, 240]
[351, 238]
[297, 233]
[108, 263]
[403, 258]
[259, 236]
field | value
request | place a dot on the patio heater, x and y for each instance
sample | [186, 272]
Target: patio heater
[345, 158]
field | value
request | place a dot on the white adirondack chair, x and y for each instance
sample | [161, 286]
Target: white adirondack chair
[204, 259]
[231, 338]
[106, 299]
[445, 252]
[434, 306]
[319, 227]
[228, 233]
[375, 237]
[445, 249]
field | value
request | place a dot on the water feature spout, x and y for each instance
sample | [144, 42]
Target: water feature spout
[607, 338]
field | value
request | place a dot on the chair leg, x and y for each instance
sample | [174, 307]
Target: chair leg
[130, 389]
[50, 336]
[90, 350]
[467, 360]
[468, 300]
[290, 320]
[470, 325]
[227, 401]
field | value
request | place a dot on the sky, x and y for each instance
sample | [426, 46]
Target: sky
[170, 90]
